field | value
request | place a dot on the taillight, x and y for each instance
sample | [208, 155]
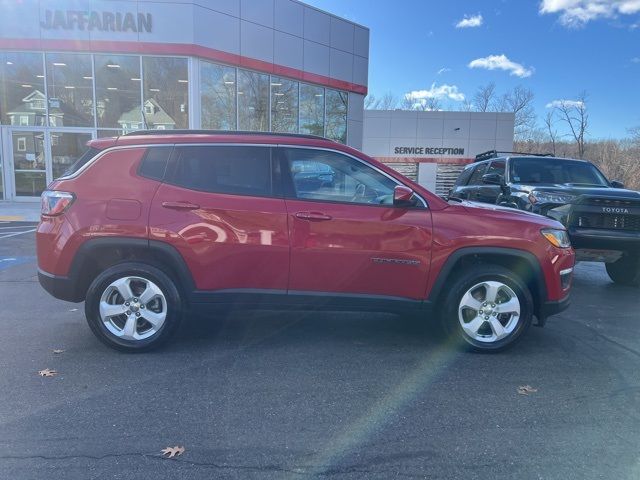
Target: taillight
[54, 203]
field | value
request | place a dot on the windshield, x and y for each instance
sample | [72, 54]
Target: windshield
[554, 170]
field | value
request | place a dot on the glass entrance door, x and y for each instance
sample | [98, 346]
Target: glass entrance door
[41, 156]
[29, 163]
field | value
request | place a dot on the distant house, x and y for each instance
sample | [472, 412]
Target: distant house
[155, 118]
[32, 112]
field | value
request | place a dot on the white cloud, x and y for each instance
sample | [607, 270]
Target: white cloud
[565, 103]
[501, 62]
[443, 70]
[436, 91]
[577, 13]
[470, 21]
[635, 60]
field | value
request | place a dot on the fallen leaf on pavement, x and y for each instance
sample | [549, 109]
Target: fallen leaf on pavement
[526, 390]
[171, 452]
[47, 372]
[57, 351]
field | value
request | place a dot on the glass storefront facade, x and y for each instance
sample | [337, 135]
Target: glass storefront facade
[52, 103]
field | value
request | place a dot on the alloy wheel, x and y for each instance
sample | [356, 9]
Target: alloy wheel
[489, 311]
[133, 308]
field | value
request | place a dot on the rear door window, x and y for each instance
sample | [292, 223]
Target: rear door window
[235, 170]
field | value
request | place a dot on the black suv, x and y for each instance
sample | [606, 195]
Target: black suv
[603, 219]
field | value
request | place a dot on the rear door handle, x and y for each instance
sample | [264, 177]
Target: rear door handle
[313, 216]
[180, 205]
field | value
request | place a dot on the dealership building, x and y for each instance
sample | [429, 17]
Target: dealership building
[433, 147]
[72, 70]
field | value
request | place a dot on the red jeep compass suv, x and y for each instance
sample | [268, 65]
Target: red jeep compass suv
[146, 227]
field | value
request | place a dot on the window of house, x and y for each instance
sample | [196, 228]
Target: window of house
[22, 144]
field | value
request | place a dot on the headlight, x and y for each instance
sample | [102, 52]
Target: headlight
[550, 197]
[557, 238]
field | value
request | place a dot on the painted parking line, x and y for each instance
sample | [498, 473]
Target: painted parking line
[11, 218]
[13, 234]
[9, 262]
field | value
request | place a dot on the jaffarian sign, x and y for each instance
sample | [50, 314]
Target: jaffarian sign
[100, 21]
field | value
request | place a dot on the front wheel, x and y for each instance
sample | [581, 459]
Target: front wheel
[625, 271]
[133, 307]
[487, 308]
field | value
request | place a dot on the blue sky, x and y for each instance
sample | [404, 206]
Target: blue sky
[559, 48]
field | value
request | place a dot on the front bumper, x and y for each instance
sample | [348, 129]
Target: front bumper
[601, 239]
[552, 307]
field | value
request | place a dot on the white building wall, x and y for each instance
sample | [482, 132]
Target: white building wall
[422, 136]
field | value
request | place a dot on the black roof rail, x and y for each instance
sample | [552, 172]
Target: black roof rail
[221, 132]
[495, 154]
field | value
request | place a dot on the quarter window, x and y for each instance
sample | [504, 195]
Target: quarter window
[232, 170]
[330, 176]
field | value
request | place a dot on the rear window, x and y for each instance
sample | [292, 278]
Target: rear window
[89, 154]
[233, 170]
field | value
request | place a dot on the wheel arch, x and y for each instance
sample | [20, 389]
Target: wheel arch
[523, 263]
[96, 255]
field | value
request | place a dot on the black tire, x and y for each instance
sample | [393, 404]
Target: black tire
[465, 281]
[625, 271]
[174, 306]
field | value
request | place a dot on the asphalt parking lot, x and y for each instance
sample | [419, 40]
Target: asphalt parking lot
[279, 395]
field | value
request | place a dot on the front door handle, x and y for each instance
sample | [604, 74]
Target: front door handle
[313, 216]
[180, 205]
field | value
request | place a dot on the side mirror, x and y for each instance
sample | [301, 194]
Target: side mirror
[493, 179]
[616, 184]
[403, 196]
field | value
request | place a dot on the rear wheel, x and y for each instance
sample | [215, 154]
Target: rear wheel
[625, 271]
[133, 307]
[488, 308]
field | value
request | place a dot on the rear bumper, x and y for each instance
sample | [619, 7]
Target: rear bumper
[553, 307]
[58, 286]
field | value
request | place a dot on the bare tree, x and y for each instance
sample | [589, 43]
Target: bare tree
[430, 104]
[369, 101]
[388, 102]
[520, 102]
[635, 136]
[484, 98]
[574, 114]
[407, 102]
[549, 123]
